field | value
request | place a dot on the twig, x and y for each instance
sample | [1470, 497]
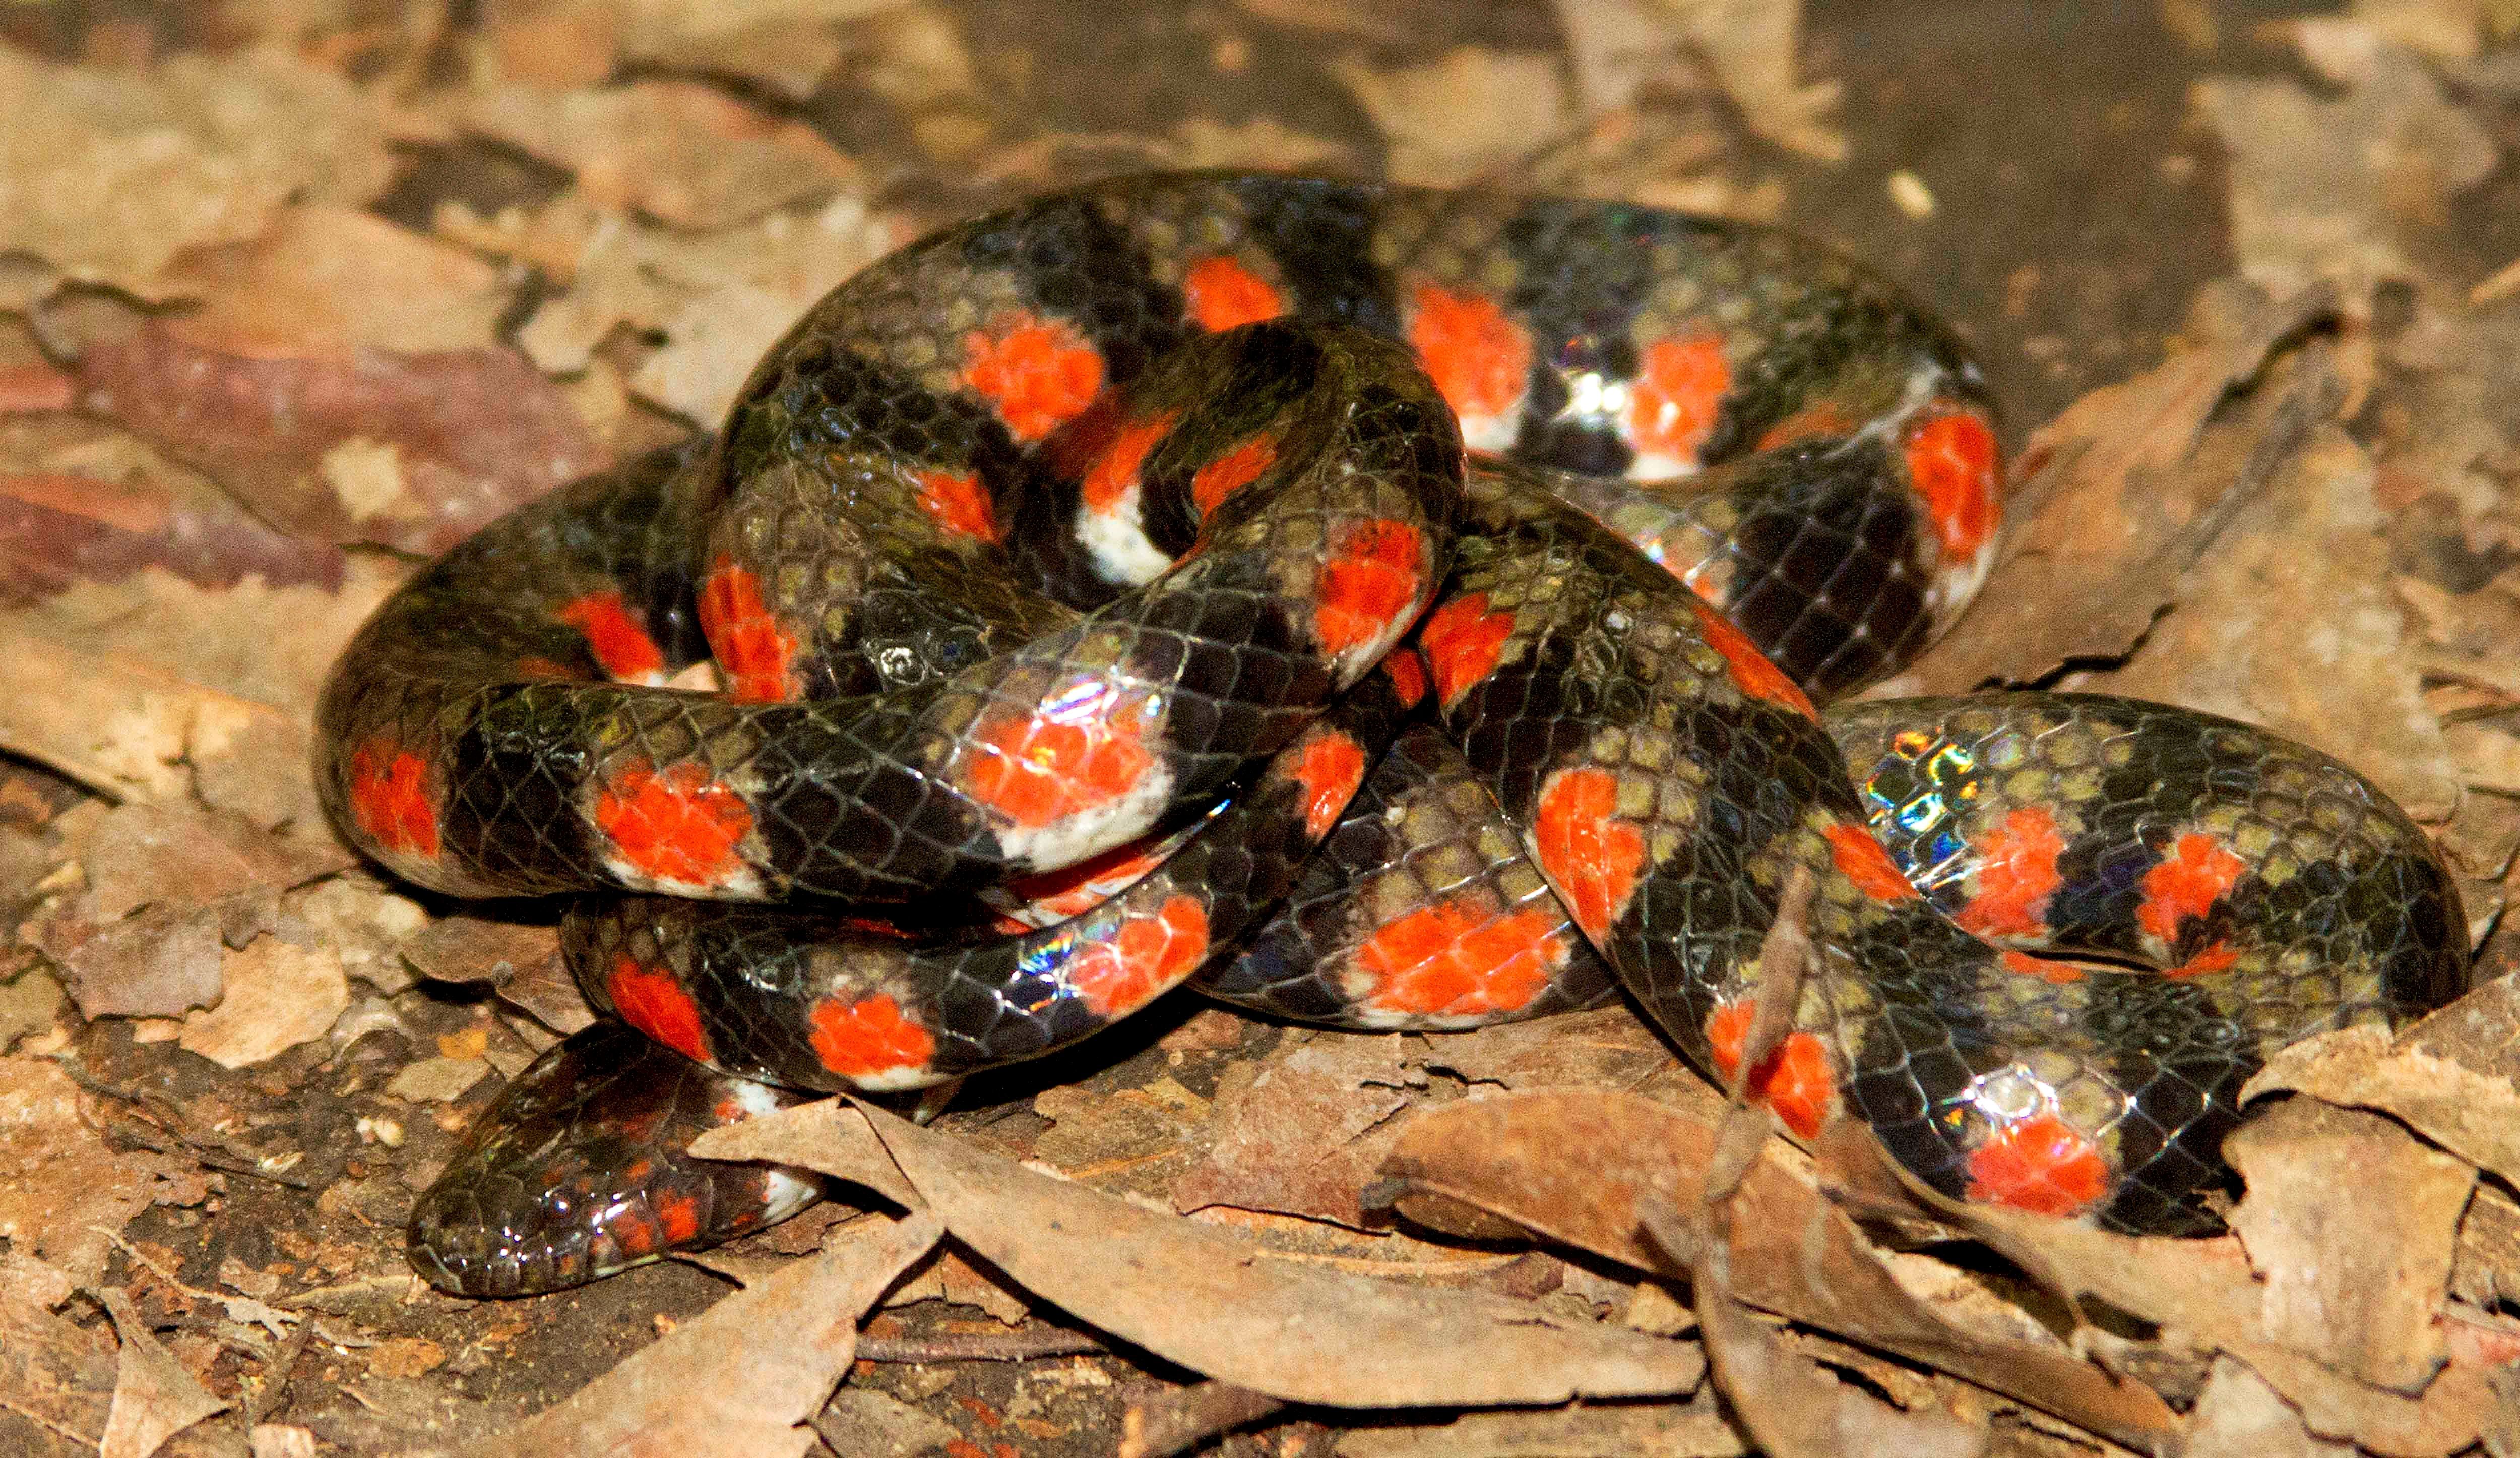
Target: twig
[983, 1346]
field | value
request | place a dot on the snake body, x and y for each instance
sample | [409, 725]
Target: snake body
[1105, 598]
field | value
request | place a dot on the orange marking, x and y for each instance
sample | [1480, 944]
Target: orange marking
[1034, 769]
[758, 654]
[1480, 359]
[2060, 973]
[868, 1037]
[1330, 768]
[1748, 667]
[1463, 640]
[1073, 891]
[1370, 580]
[2016, 873]
[1114, 473]
[391, 798]
[2197, 873]
[651, 1000]
[1223, 294]
[1232, 472]
[2040, 1164]
[1824, 418]
[617, 639]
[680, 825]
[1462, 958]
[1951, 460]
[1794, 1079]
[1590, 856]
[1038, 373]
[2218, 957]
[1679, 389]
[680, 1216]
[1145, 956]
[1407, 675]
[542, 667]
[956, 503]
[1861, 859]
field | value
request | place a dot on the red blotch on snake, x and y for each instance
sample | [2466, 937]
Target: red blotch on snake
[651, 1000]
[2042, 968]
[612, 635]
[757, 654]
[958, 504]
[392, 799]
[1370, 580]
[869, 1037]
[1951, 460]
[1861, 859]
[1794, 1079]
[1677, 393]
[1147, 955]
[1073, 891]
[1330, 768]
[1232, 472]
[2197, 873]
[1114, 473]
[676, 825]
[1038, 373]
[2040, 1164]
[1038, 768]
[2016, 873]
[1478, 357]
[1748, 667]
[1590, 856]
[1463, 640]
[1222, 293]
[1407, 675]
[1462, 957]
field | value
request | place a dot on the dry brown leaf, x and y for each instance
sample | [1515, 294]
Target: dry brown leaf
[2355, 1283]
[1218, 1306]
[1793, 1408]
[326, 283]
[2111, 496]
[128, 729]
[2449, 1077]
[159, 964]
[2336, 189]
[415, 450]
[1573, 1166]
[720, 298]
[879, 1425]
[154, 1396]
[107, 175]
[1695, 1430]
[61, 527]
[1461, 117]
[64, 1188]
[278, 995]
[52, 1371]
[686, 153]
[741, 1378]
[1302, 1131]
[1756, 51]
[2239, 1416]
[2289, 622]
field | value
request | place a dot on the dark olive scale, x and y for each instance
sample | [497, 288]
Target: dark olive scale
[965, 389]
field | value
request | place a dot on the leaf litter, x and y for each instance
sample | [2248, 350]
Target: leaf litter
[273, 333]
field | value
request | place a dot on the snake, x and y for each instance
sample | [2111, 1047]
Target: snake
[1380, 606]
